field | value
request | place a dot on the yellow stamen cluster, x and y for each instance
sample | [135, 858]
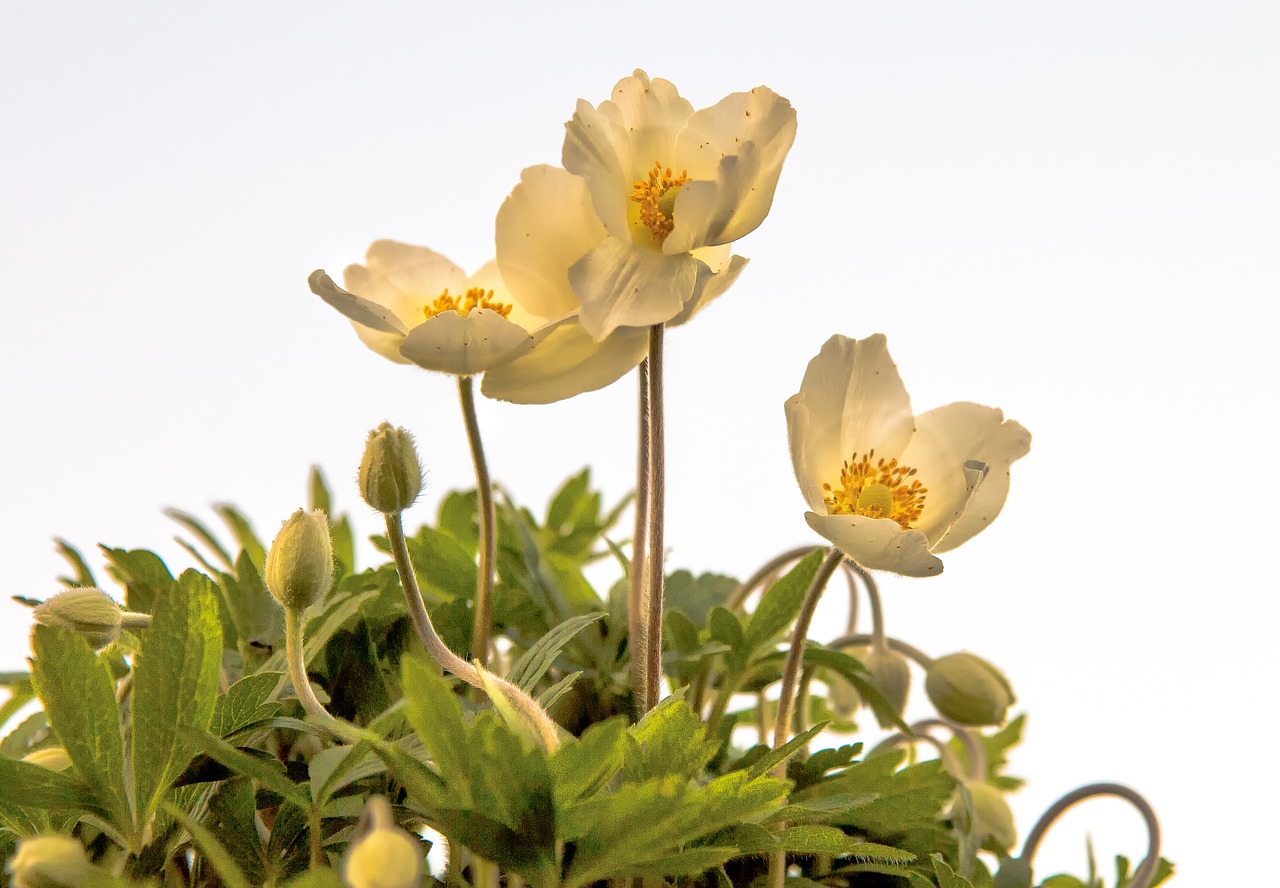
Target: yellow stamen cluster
[877, 490]
[656, 196]
[473, 298]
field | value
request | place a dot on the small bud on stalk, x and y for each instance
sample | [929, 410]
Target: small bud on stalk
[300, 563]
[992, 815]
[968, 690]
[48, 862]
[385, 856]
[86, 610]
[390, 474]
[890, 675]
[54, 758]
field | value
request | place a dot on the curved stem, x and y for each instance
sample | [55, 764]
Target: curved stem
[898, 645]
[851, 577]
[525, 705]
[487, 522]
[795, 656]
[740, 594]
[1146, 870]
[636, 624]
[298, 669]
[945, 753]
[873, 596]
[657, 497]
[973, 748]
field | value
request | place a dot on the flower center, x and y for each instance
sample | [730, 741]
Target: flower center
[652, 208]
[876, 490]
[473, 298]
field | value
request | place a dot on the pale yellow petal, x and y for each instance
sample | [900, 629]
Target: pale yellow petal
[488, 278]
[411, 270]
[616, 144]
[544, 226]
[465, 346]
[620, 285]
[566, 361]
[878, 543]
[797, 434]
[377, 326]
[709, 287]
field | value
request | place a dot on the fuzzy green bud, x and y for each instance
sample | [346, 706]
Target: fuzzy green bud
[968, 690]
[992, 815]
[385, 856]
[390, 475]
[54, 758]
[890, 675]
[300, 563]
[48, 862]
[86, 610]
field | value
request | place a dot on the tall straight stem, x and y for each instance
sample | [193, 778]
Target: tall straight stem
[657, 498]
[636, 622]
[488, 539]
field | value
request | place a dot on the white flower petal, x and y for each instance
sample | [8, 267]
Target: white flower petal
[614, 145]
[878, 543]
[856, 403]
[465, 346]
[621, 286]
[982, 434]
[378, 327]
[411, 270]
[566, 361]
[488, 278]
[797, 433]
[544, 226]
[734, 151]
[709, 286]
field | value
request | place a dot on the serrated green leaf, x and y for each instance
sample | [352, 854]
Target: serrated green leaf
[696, 596]
[25, 785]
[78, 692]
[258, 619]
[143, 575]
[832, 841]
[765, 763]
[684, 863]
[905, 799]
[266, 770]
[530, 668]
[242, 530]
[781, 603]
[202, 533]
[582, 766]
[83, 573]
[175, 683]
[670, 739]
[245, 702]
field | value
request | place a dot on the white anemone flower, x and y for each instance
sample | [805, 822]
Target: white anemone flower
[670, 188]
[543, 228]
[894, 491]
[412, 305]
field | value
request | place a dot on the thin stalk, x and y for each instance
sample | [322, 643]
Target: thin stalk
[873, 596]
[973, 750]
[743, 592]
[487, 522]
[316, 831]
[795, 656]
[898, 645]
[637, 627]
[1146, 870]
[532, 713]
[298, 671]
[657, 499]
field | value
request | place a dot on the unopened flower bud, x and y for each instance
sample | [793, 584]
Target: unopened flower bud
[300, 563]
[385, 856]
[48, 862]
[390, 474]
[992, 815]
[1014, 872]
[54, 758]
[890, 675]
[968, 690]
[86, 610]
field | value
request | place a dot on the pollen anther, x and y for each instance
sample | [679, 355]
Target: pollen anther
[883, 489]
[475, 297]
[656, 196]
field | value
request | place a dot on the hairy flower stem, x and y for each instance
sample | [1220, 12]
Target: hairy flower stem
[1146, 870]
[636, 624]
[533, 714]
[487, 522]
[657, 497]
[298, 671]
[878, 640]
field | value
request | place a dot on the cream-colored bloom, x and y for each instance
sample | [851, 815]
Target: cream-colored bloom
[412, 305]
[668, 189]
[892, 490]
[544, 228]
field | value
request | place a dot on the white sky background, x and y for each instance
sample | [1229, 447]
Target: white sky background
[1070, 211]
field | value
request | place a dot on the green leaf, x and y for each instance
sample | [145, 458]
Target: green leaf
[143, 575]
[245, 702]
[83, 575]
[175, 683]
[258, 619]
[766, 763]
[548, 698]
[452, 572]
[242, 530]
[78, 692]
[530, 668]
[31, 786]
[906, 799]
[223, 863]
[726, 628]
[947, 877]
[457, 518]
[266, 769]
[696, 596]
[202, 533]
[436, 716]
[684, 863]
[781, 603]
[317, 878]
[670, 739]
[582, 766]
[832, 841]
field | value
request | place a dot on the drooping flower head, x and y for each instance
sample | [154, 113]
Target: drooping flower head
[412, 305]
[892, 490]
[655, 194]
